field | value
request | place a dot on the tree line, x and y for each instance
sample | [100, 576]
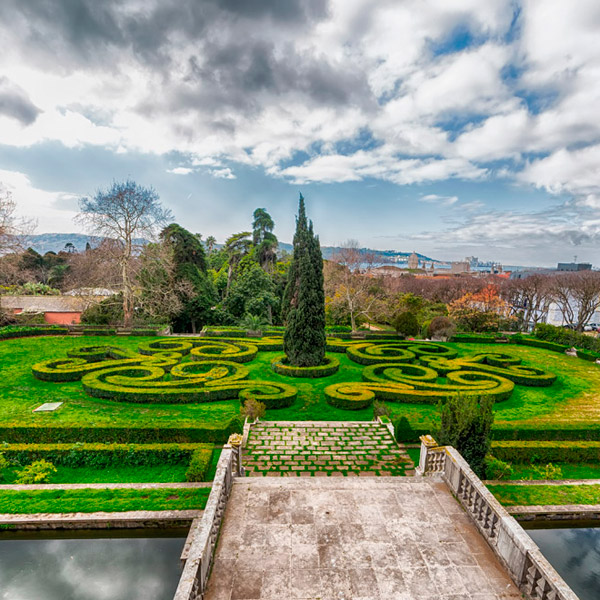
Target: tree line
[164, 273]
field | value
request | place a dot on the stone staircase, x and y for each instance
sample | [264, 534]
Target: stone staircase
[322, 448]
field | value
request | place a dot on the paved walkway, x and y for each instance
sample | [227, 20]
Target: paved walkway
[307, 448]
[378, 538]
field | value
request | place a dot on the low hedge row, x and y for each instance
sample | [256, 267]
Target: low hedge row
[218, 434]
[546, 451]
[568, 337]
[523, 341]
[103, 455]
[10, 332]
[281, 367]
[525, 434]
[241, 353]
[199, 464]
[99, 331]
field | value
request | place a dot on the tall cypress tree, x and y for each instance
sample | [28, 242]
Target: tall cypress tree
[304, 298]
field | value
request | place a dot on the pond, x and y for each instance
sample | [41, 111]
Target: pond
[575, 554]
[91, 565]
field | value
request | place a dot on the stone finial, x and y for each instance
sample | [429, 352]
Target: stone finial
[428, 441]
[235, 440]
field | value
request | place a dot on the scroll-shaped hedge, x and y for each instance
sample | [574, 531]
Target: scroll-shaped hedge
[414, 384]
[94, 358]
[370, 353]
[206, 381]
[496, 363]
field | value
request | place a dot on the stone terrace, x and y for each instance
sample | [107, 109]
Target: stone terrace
[378, 538]
[323, 448]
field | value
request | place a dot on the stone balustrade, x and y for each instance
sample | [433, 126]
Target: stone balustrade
[196, 570]
[534, 575]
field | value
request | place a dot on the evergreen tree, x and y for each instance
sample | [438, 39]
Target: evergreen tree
[304, 299]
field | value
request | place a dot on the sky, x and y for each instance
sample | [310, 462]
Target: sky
[449, 127]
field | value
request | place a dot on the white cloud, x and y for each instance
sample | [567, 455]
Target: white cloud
[225, 173]
[54, 210]
[435, 199]
[180, 171]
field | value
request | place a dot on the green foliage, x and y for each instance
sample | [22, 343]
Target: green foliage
[38, 471]
[304, 299]
[252, 293]
[548, 471]
[466, 423]
[199, 464]
[497, 469]
[403, 432]
[406, 324]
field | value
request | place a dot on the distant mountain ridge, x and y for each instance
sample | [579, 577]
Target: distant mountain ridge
[55, 242]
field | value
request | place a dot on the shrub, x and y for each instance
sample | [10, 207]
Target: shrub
[380, 409]
[12, 331]
[403, 432]
[497, 469]
[466, 422]
[199, 464]
[253, 409]
[4, 464]
[39, 471]
[548, 471]
[441, 327]
[406, 324]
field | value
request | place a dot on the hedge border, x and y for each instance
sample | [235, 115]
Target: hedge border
[281, 368]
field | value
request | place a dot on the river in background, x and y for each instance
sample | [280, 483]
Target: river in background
[92, 565]
[575, 554]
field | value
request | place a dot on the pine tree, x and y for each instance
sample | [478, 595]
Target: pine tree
[304, 298]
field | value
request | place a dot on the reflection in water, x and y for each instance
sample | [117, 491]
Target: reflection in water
[575, 554]
[90, 569]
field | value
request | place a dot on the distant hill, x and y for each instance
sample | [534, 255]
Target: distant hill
[55, 242]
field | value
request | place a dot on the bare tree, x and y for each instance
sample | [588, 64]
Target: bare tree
[529, 298]
[124, 212]
[12, 227]
[577, 296]
[346, 284]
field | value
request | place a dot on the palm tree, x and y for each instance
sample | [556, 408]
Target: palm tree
[210, 243]
[236, 247]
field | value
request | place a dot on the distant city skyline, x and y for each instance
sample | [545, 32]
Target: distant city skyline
[449, 128]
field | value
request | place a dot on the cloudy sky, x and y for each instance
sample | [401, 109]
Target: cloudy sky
[450, 127]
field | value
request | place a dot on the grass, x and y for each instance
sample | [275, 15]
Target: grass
[569, 471]
[573, 400]
[415, 454]
[67, 501]
[111, 474]
[525, 495]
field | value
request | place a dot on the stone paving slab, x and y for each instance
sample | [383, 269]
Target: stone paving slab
[323, 448]
[378, 538]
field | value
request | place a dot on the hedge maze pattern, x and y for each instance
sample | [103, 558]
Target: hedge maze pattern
[206, 370]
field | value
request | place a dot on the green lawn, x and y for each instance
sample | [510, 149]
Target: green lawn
[573, 400]
[125, 474]
[569, 471]
[66, 501]
[527, 495]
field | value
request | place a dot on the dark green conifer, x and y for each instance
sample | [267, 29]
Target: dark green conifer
[304, 298]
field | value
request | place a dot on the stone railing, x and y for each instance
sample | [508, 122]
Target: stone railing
[196, 570]
[529, 569]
